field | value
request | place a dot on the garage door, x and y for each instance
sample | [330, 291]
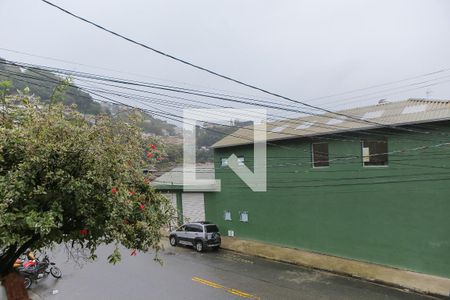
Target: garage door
[172, 198]
[193, 207]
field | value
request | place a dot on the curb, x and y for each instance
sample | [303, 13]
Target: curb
[418, 282]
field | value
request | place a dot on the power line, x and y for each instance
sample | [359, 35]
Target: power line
[345, 184]
[339, 158]
[175, 89]
[352, 156]
[420, 84]
[166, 113]
[203, 68]
[33, 68]
[199, 93]
[310, 99]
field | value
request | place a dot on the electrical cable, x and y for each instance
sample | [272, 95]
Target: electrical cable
[185, 62]
[33, 67]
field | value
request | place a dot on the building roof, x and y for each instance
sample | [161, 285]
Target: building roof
[383, 114]
[173, 179]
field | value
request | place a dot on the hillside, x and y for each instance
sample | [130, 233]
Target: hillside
[42, 84]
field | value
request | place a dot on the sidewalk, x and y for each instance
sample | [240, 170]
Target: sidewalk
[418, 282]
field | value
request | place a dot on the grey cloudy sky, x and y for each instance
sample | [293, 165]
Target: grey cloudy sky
[302, 49]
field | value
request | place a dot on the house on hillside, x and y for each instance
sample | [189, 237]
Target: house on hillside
[369, 184]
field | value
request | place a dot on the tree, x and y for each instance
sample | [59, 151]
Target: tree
[64, 180]
[43, 83]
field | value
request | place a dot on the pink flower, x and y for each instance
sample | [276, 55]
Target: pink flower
[149, 155]
[152, 146]
[114, 190]
[142, 206]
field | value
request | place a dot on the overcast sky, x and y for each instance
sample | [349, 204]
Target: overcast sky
[301, 49]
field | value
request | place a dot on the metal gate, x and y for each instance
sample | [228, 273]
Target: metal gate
[193, 207]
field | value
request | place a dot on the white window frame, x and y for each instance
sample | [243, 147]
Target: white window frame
[243, 216]
[224, 162]
[227, 215]
[373, 166]
[241, 161]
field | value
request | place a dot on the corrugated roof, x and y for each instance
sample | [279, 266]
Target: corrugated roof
[174, 178]
[384, 114]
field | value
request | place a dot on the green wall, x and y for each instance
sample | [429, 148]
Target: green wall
[397, 215]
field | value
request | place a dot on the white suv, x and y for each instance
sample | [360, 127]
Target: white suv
[201, 235]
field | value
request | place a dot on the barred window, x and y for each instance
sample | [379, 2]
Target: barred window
[375, 152]
[320, 155]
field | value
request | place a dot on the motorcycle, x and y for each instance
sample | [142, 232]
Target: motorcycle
[37, 270]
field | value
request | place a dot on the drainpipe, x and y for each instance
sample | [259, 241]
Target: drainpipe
[180, 207]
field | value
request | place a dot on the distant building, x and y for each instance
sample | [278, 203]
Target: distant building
[369, 184]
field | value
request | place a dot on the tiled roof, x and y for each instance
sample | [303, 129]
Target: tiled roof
[411, 111]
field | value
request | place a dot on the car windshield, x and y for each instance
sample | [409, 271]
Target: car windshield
[211, 228]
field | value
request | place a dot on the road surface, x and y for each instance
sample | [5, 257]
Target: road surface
[187, 274]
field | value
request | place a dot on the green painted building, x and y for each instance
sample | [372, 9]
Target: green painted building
[373, 186]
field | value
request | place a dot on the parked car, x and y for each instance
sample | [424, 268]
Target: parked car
[200, 235]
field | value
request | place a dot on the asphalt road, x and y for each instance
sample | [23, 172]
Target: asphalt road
[186, 274]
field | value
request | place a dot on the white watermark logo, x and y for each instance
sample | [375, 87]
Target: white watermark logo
[256, 180]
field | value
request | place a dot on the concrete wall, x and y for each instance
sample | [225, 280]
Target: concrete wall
[396, 215]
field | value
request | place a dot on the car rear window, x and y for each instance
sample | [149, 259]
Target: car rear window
[212, 228]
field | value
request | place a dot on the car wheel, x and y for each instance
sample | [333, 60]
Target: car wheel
[173, 241]
[199, 246]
